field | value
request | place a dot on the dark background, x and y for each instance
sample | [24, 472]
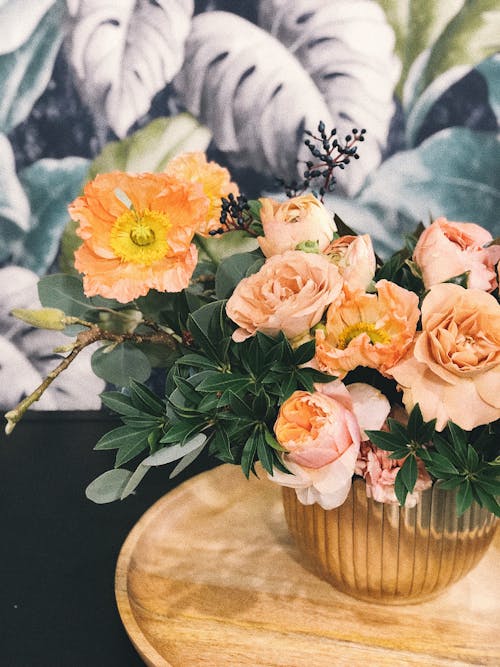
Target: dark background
[58, 550]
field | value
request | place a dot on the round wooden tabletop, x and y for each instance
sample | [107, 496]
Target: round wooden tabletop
[210, 578]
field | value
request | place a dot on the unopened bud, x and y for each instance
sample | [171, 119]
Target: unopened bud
[43, 318]
[308, 246]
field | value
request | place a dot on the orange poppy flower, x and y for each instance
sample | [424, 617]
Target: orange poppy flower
[372, 330]
[214, 179]
[137, 231]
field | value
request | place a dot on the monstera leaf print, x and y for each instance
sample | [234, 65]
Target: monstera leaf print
[257, 88]
[26, 354]
[125, 52]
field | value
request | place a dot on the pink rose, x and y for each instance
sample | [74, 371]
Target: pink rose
[379, 472]
[355, 259]
[453, 371]
[321, 434]
[299, 219]
[290, 293]
[447, 249]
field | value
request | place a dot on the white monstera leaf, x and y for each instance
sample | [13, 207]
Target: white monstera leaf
[26, 354]
[259, 87]
[125, 52]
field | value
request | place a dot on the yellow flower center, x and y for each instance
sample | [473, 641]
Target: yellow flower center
[350, 333]
[140, 237]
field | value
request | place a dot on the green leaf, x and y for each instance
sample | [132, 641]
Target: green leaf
[387, 441]
[196, 361]
[462, 279]
[304, 353]
[222, 381]
[464, 497]
[409, 473]
[202, 322]
[120, 403]
[188, 391]
[219, 247]
[487, 500]
[181, 432]
[231, 271]
[439, 465]
[153, 146]
[121, 365]
[415, 422]
[400, 489]
[25, 72]
[239, 407]
[272, 442]
[109, 486]
[175, 452]
[137, 442]
[145, 399]
[221, 445]
[264, 454]
[248, 454]
[118, 437]
[490, 71]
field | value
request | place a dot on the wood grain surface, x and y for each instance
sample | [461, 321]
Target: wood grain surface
[209, 577]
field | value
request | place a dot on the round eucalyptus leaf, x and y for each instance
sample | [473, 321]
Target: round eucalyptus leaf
[109, 486]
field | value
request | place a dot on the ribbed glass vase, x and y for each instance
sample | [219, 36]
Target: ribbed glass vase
[387, 554]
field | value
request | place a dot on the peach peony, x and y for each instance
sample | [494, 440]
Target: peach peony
[447, 249]
[453, 372]
[290, 293]
[287, 224]
[127, 251]
[322, 435]
[379, 472]
[355, 259]
[214, 179]
[373, 330]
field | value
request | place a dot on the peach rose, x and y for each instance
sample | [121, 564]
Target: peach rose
[453, 372]
[290, 293]
[379, 472]
[355, 259]
[373, 330]
[300, 219]
[321, 434]
[447, 249]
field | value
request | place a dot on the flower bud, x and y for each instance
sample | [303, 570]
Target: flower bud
[42, 318]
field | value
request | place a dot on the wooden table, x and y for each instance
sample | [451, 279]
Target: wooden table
[209, 577]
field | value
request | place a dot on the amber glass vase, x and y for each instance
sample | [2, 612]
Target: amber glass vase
[388, 554]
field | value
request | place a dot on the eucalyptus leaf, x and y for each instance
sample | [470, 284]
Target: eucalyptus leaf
[219, 247]
[109, 486]
[121, 364]
[134, 481]
[65, 292]
[186, 461]
[175, 452]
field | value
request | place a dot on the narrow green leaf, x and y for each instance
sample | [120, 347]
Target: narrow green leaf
[409, 473]
[487, 500]
[187, 390]
[264, 454]
[222, 381]
[117, 437]
[304, 353]
[120, 403]
[221, 444]
[387, 441]
[197, 361]
[400, 489]
[272, 442]
[137, 443]
[239, 407]
[248, 454]
[181, 432]
[415, 422]
[147, 399]
[464, 497]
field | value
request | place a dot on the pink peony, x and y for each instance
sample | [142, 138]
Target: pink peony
[355, 259]
[379, 472]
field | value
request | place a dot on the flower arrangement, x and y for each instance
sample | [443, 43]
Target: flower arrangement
[284, 338]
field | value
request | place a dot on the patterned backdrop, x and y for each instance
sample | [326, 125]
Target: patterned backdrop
[95, 85]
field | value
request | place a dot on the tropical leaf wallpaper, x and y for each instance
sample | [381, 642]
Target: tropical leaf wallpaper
[89, 86]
